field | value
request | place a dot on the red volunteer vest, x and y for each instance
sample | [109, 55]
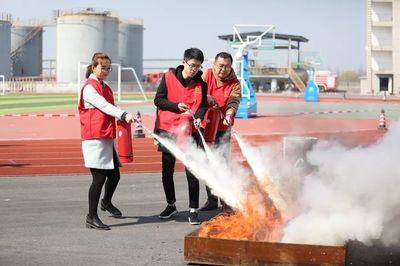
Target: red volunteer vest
[94, 123]
[191, 96]
[221, 94]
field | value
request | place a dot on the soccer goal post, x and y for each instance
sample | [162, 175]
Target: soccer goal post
[129, 90]
[3, 85]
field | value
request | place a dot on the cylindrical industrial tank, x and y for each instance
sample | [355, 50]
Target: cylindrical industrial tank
[130, 49]
[5, 44]
[26, 50]
[80, 34]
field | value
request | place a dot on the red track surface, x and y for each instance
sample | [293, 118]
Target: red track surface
[64, 157]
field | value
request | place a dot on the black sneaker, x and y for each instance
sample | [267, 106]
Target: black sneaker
[209, 205]
[194, 218]
[168, 212]
[226, 208]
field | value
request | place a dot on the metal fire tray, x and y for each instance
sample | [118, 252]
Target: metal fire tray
[217, 251]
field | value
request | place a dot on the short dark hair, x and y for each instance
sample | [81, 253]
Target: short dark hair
[193, 53]
[224, 55]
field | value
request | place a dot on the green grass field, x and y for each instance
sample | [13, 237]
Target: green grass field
[37, 103]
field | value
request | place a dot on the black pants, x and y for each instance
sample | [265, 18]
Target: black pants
[222, 138]
[168, 169]
[100, 176]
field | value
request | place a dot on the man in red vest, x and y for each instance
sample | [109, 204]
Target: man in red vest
[224, 92]
[181, 93]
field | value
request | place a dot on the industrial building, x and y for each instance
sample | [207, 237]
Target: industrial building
[79, 34]
[26, 48]
[5, 44]
[383, 49]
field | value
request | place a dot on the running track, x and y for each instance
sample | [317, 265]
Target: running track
[64, 157]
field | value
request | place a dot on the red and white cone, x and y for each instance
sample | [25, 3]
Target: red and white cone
[382, 120]
[138, 126]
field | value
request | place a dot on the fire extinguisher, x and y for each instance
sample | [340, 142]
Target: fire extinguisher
[124, 141]
[213, 116]
[184, 129]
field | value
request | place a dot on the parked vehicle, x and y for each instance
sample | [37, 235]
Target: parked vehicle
[325, 80]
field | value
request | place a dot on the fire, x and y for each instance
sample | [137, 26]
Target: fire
[259, 221]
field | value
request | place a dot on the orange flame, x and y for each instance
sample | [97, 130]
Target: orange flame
[260, 221]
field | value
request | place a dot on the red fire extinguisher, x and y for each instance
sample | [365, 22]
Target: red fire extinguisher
[184, 129]
[211, 120]
[124, 141]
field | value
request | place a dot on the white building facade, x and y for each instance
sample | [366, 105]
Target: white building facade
[383, 47]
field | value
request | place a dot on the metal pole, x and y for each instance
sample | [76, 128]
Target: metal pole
[289, 52]
[298, 54]
[79, 80]
[4, 87]
[119, 82]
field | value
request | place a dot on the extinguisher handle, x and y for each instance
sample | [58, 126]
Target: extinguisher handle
[223, 117]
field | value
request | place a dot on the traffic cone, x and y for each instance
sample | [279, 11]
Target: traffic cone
[382, 120]
[138, 126]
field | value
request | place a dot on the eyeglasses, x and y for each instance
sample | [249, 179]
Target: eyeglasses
[194, 66]
[220, 67]
[106, 69]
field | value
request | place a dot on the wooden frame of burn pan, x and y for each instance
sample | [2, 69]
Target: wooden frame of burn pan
[217, 251]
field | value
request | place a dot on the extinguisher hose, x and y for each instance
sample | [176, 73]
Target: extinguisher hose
[143, 126]
[197, 127]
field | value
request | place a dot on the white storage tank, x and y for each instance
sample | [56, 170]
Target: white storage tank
[80, 34]
[26, 49]
[130, 49]
[5, 44]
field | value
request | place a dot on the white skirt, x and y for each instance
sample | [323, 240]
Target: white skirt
[98, 153]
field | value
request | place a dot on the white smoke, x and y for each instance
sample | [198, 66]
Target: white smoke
[226, 180]
[352, 195]
[267, 165]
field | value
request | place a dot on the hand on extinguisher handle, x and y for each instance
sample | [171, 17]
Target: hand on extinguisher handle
[197, 123]
[129, 118]
[227, 119]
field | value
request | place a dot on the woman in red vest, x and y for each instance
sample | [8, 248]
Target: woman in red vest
[180, 93]
[224, 92]
[98, 131]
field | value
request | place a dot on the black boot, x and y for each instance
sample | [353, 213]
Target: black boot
[226, 208]
[209, 205]
[95, 222]
[110, 208]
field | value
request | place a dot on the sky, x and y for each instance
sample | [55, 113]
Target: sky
[336, 29]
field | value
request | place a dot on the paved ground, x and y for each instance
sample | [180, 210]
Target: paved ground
[42, 223]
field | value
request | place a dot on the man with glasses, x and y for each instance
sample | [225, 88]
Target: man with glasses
[224, 92]
[181, 94]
